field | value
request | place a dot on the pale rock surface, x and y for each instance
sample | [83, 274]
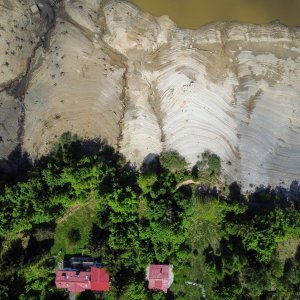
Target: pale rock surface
[84, 12]
[10, 113]
[20, 31]
[76, 89]
[141, 134]
[129, 31]
[146, 86]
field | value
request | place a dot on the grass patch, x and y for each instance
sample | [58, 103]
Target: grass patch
[193, 280]
[72, 232]
[288, 248]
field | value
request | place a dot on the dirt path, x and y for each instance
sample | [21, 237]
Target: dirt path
[69, 212]
[219, 184]
[186, 182]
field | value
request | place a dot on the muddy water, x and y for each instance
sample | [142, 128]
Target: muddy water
[194, 13]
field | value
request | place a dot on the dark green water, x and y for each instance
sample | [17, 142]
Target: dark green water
[194, 13]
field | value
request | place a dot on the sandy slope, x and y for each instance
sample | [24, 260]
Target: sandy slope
[10, 110]
[76, 88]
[145, 86]
[19, 32]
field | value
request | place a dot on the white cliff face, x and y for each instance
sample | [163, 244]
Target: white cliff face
[145, 86]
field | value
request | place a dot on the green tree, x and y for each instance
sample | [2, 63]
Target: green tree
[214, 163]
[146, 181]
[172, 161]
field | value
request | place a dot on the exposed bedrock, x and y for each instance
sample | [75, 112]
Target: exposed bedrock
[145, 86]
[21, 28]
[10, 113]
[76, 88]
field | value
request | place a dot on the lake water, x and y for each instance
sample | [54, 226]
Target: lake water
[194, 13]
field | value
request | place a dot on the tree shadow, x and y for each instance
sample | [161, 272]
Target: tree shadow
[150, 163]
[14, 167]
[14, 256]
[98, 238]
[265, 197]
[41, 240]
[235, 193]
[89, 295]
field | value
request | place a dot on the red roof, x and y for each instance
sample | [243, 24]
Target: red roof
[75, 282]
[99, 279]
[158, 277]
[78, 281]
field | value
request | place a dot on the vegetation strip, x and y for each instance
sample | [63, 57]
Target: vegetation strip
[85, 198]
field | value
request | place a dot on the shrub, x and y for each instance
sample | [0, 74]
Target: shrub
[210, 163]
[214, 163]
[172, 161]
[74, 236]
[146, 180]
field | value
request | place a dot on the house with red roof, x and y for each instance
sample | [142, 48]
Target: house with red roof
[80, 274]
[160, 277]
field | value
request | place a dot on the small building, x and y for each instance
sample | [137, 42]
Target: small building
[160, 277]
[80, 274]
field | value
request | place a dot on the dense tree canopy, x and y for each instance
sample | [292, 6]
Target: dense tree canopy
[227, 246]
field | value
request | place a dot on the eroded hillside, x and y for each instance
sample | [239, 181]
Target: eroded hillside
[106, 69]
